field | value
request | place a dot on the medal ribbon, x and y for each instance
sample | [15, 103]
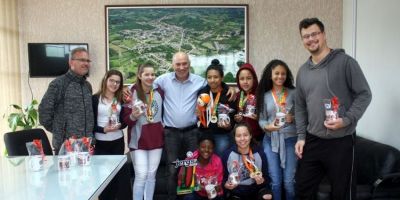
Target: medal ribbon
[149, 103]
[247, 163]
[214, 103]
[280, 100]
[242, 100]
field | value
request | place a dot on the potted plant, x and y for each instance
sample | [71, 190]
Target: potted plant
[23, 118]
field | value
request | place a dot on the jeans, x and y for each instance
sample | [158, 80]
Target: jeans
[145, 164]
[222, 143]
[177, 143]
[279, 174]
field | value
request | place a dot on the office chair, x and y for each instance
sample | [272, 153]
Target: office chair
[16, 141]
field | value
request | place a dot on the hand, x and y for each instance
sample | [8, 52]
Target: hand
[127, 93]
[230, 186]
[238, 118]
[109, 128]
[271, 127]
[232, 94]
[224, 124]
[252, 116]
[135, 113]
[299, 148]
[267, 196]
[259, 179]
[289, 118]
[334, 124]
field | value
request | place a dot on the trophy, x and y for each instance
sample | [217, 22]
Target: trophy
[202, 102]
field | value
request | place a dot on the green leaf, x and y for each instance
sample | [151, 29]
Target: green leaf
[34, 102]
[25, 118]
[16, 106]
[13, 120]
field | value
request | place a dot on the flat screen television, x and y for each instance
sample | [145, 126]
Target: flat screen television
[50, 59]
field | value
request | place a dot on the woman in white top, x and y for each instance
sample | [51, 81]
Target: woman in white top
[107, 108]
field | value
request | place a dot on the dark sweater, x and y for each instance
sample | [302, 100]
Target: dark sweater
[66, 108]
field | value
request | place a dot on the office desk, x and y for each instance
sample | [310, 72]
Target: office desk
[77, 183]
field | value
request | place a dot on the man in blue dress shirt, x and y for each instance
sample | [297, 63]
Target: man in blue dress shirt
[180, 94]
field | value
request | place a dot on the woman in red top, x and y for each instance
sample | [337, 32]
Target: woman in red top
[246, 79]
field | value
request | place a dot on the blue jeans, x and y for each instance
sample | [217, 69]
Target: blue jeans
[222, 143]
[279, 174]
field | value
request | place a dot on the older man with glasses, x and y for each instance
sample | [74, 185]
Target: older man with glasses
[66, 107]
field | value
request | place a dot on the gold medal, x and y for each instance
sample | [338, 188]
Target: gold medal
[150, 119]
[214, 119]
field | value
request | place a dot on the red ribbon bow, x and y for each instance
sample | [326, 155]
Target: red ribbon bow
[335, 103]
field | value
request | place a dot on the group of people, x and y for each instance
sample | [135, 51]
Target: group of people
[268, 140]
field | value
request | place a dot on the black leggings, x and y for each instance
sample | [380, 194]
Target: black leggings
[115, 147]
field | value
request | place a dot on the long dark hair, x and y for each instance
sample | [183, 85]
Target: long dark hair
[266, 84]
[103, 87]
[139, 88]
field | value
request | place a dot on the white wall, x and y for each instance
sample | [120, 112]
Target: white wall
[377, 43]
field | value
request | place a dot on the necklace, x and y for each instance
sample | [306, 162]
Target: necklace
[280, 99]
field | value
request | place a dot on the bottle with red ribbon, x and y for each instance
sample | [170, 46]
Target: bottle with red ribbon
[85, 149]
[331, 108]
[250, 105]
[113, 120]
[36, 155]
[64, 155]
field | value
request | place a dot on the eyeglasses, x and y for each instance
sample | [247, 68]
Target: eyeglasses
[112, 81]
[311, 35]
[82, 60]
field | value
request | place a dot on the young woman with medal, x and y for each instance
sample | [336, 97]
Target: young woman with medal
[145, 131]
[218, 120]
[275, 106]
[246, 79]
[253, 168]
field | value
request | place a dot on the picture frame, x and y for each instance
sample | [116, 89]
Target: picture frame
[136, 34]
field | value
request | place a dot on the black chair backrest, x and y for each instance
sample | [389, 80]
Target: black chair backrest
[16, 141]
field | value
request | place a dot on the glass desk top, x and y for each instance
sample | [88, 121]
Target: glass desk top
[18, 182]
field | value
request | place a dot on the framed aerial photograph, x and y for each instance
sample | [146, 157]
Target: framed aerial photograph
[139, 34]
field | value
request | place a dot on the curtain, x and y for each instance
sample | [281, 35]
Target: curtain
[10, 77]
